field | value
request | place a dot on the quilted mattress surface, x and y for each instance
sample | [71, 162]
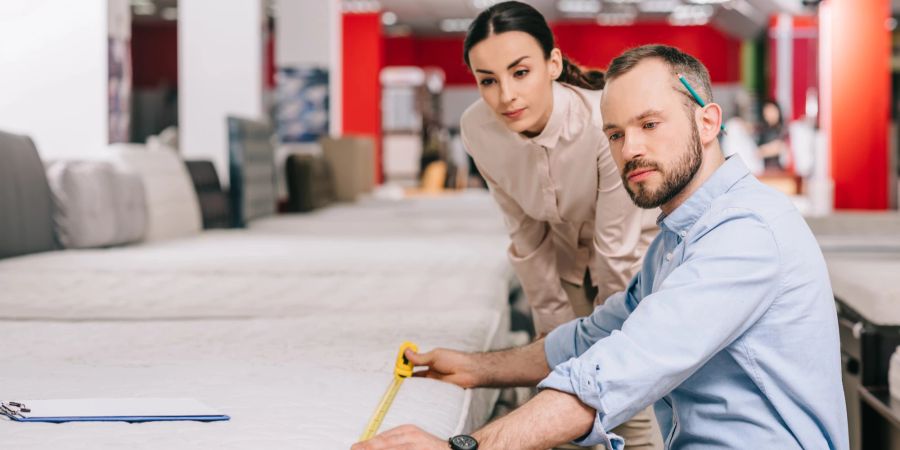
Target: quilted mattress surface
[864, 282]
[236, 251]
[84, 294]
[307, 383]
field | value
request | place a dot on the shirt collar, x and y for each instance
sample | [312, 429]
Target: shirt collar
[562, 123]
[687, 214]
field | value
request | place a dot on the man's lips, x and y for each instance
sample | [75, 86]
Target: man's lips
[514, 114]
[640, 174]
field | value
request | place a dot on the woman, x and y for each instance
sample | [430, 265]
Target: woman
[772, 135]
[537, 138]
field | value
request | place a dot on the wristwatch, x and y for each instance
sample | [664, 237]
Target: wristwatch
[463, 442]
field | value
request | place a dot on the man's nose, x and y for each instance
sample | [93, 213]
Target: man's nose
[632, 147]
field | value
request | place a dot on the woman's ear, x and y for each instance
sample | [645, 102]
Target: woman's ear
[555, 63]
[709, 122]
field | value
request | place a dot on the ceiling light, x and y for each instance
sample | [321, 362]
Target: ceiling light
[455, 25]
[578, 6]
[482, 4]
[169, 13]
[616, 18]
[361, 6]
[388, 18]
[659, 6]
[691, 15]
[144, 9]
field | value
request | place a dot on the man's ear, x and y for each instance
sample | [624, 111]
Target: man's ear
[709, 122]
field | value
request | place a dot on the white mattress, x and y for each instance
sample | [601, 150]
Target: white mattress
[83, 294]
[866, 282]
[857, 232]
[301, 383]
[236, 251]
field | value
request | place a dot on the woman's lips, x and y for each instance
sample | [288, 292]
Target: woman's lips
[640, 174]
[514, 114]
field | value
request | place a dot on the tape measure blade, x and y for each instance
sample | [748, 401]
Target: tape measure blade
[382, 409]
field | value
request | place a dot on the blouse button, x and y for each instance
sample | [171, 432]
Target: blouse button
[668, 256]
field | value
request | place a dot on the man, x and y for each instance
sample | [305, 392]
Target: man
[729, 328]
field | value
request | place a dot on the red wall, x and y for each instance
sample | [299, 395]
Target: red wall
[595, 46]
[587, 44]
[859, 95]
[154, 50]
[362, 62]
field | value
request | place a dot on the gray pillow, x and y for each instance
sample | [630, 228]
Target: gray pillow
[97, 204]
[26, 209]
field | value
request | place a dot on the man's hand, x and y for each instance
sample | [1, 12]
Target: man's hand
[450, 366]
[405, 437]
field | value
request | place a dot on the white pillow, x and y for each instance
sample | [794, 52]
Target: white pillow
[172, 206]
[97, 204]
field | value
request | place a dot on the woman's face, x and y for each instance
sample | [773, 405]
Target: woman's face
[515, 79]
[771, 114]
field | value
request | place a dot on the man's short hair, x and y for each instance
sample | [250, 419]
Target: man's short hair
[677, 60]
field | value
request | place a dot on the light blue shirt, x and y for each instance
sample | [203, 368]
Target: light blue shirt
[729, 329]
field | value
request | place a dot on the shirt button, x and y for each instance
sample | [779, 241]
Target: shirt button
[668, 256]
[683, 233]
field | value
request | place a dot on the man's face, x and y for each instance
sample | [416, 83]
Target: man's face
[652, 133]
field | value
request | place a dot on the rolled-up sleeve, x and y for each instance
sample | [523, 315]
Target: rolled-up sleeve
[622, 231]
[728, 278]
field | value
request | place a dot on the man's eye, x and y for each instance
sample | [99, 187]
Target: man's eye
[487, 82]
[650, 125]
[615, 137]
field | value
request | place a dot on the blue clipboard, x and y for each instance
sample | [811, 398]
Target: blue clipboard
[110, 410]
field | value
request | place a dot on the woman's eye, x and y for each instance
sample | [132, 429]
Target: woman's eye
[650, 125]
[487, 81]
[520, 73]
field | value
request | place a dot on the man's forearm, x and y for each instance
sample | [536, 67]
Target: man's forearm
[522, 366]
[551, 418]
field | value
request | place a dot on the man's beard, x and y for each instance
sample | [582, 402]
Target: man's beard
[675, 178]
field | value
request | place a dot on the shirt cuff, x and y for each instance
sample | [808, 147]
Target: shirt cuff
[566, 377]
[559, 345]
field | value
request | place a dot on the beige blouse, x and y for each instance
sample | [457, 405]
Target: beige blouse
[563, 201]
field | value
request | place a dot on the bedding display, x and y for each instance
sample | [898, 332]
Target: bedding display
[98, 204]
[26, 206]
[294, 383]
[857, 231]
[290, 326]
[172, 207]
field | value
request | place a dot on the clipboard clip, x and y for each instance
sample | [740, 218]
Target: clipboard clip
[13, 409]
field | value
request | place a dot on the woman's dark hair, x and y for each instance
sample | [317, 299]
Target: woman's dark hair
[518, 16]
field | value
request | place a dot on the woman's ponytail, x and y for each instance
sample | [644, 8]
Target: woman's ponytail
[572, 74]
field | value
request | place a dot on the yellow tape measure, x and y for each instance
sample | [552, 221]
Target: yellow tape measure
[403, 369]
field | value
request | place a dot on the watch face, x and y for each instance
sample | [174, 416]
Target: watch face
[463, 442]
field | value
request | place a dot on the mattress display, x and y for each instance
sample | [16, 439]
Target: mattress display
[295, 383]
[235, 251]
[77, 294]
[172, 207]
[98, 204]
[858, 281]
[857, 231]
